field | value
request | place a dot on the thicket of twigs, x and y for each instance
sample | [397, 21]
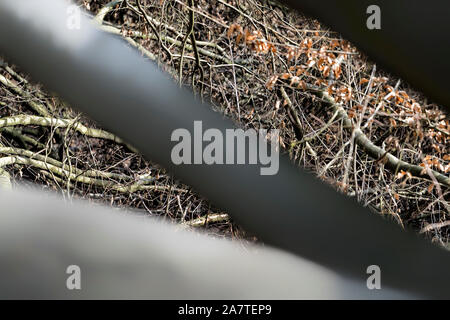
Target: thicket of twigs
[357, 127]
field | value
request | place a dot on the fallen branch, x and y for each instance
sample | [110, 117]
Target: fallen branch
[24, 120]
[88, 173]
[137, 186]
[105, 10]
[374, 151]
[210, 218]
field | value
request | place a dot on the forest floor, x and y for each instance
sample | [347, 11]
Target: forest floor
[358, 128]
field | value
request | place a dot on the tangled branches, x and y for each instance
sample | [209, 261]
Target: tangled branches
[57, 148]
[356, 127]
